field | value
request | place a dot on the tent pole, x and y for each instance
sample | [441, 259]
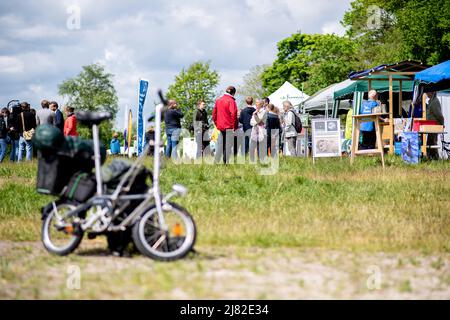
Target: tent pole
[391, 116]
[424, 117]
[400, 98]
[424, 106]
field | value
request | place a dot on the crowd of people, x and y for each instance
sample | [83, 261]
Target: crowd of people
[258, 130]
[18, 123]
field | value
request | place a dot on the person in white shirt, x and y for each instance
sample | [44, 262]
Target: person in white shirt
[45, 115]
[258, 137]
[290, 134]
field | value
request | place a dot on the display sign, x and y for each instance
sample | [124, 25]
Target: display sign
[326, 138]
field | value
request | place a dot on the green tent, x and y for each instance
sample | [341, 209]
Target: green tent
[376, 84]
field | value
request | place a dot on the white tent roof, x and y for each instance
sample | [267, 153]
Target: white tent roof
[287, 92]
[319, 100]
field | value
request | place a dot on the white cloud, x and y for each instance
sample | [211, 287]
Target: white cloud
[153, 40]
[10, 20]
[187, 14]
[11, 65]
[37, 32]
[333, 27]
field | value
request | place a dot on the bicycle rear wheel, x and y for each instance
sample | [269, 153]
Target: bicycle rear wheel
[165, 245]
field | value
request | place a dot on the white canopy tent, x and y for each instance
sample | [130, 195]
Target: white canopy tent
[324, 99]
[288, 92]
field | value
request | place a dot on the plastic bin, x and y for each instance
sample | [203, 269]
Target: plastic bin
[398, 148]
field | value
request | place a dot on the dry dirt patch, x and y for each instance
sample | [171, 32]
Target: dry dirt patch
[28, 271]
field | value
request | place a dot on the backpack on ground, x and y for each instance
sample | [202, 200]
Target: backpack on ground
[297, 122]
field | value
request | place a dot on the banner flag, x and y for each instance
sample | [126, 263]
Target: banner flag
[129, 132]
[125, 127]
[143, 87]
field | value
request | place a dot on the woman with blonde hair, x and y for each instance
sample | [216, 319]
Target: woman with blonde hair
[258, 137]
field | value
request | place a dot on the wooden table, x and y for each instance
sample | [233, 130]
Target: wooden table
[425, 147]
[376, 119]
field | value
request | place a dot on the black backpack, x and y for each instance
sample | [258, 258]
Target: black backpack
[297, 122]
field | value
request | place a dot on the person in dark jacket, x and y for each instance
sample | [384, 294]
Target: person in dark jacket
[3, 132]
[59, 117]
[172, 118]
[266, 103]
[434, 112]
[244, 119]
[150, 140]
[201, 127]
[13, 132]
[26, 122]
[273, 130]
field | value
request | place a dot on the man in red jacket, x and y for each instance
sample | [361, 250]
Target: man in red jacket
[226, 121]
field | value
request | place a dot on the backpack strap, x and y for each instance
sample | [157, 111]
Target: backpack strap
[23, 121]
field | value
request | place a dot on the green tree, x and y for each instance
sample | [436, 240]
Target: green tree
[93, 90]
[388, 31]
[252, 83]
[314, 60]
[197, 82]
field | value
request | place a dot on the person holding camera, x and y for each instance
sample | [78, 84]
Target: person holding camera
[26, 125]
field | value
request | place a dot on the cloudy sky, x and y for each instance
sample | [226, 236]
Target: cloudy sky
[41, 44]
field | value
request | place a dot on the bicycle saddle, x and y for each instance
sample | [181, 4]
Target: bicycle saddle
[91, 118]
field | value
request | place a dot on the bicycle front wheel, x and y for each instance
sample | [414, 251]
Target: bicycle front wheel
[60, 234]
[165, 244]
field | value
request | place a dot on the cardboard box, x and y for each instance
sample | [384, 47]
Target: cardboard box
[431, 128]
[418, 123]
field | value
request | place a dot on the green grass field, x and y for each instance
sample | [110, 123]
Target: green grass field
[306, 232]
[328, 205]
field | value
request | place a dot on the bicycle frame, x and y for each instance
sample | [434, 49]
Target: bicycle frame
[108, 203]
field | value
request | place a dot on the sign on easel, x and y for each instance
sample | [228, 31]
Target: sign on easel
[326, 138]
[189, 149]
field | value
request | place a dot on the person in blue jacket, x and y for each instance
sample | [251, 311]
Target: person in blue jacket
[114, 146]
[368, 128]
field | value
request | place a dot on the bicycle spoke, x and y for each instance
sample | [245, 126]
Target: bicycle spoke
[152, 236]
[158, 243]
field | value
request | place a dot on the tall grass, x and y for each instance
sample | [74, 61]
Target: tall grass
[330, 204]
